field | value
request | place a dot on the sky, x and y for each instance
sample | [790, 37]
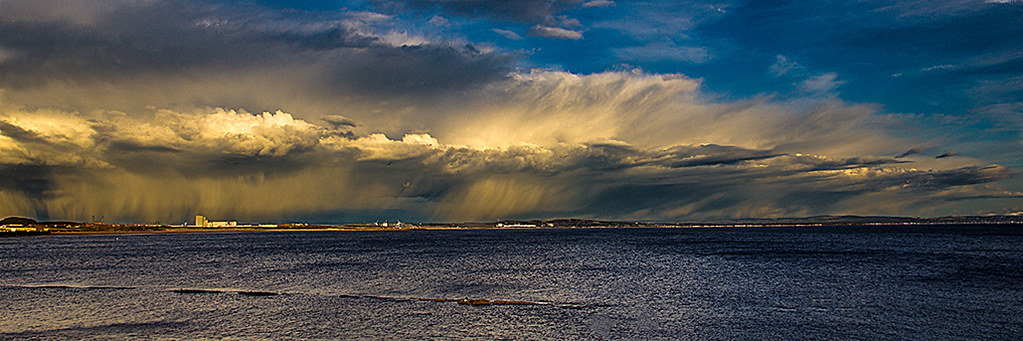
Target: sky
[465, 110]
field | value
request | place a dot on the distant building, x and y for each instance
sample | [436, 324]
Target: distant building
[515, 225]
[230, 223]
[398, 224]
[201, 221]
[22, 228]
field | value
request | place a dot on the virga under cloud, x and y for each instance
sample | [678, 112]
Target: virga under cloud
[158, 110]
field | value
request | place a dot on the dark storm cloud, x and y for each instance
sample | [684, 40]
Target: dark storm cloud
[915, 150]
[33, 180]
[624, 181]
[711, 180]
[418, 70]
[345, 54]
[338, 121]
[19, 134]
[162, 37]
[751, 192]
[819, 164]
[608, 157]
[957, 177]
[712, 155]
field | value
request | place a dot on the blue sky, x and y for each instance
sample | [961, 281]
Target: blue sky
[476, 110]
[909, 56]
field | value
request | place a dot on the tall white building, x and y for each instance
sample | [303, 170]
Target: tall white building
[201, 221]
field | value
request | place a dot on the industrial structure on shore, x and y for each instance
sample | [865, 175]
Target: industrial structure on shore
[202, 221]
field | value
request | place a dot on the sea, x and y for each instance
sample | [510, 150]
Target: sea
[813, 283]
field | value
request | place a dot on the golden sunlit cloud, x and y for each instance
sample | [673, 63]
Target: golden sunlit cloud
[234, 163]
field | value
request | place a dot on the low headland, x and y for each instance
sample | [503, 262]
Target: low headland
[19, 226]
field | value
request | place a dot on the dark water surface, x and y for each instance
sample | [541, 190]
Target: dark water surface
[865, 283]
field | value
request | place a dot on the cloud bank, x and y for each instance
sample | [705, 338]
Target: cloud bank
[152, 111]
[231, 163]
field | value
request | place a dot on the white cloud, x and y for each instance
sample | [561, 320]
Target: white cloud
[507, 34]
[821, 84]
[554, 33]
[47, 137]
[782, 66]
[598, 3]
[438, 21]
[419, 139]
[369, 17]
[939, 67]
[379, 147]
[59, 138]
[401, 38]
[266, 134]
[53, 126]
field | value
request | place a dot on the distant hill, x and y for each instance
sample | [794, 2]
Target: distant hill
[17, 221]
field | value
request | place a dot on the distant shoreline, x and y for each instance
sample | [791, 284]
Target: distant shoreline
[326, 229]
[17, 226]
[62, 232]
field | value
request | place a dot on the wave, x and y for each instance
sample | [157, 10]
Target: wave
[72, 286]
[197, 291]
[267, 293]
